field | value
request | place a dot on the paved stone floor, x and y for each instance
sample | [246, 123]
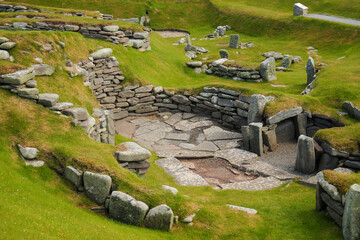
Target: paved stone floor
[181, 137]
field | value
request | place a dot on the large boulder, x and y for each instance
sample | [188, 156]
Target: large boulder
[126, 209]
[268, 69]
[351, 217]
[97, 186]
[234, 41]
[130, 151]
[310, 70]
[160, 217]
[48, 99]
[43, 69]
[256, 140]
[305, 155]
[28, 153]
[19, 77]
[102, 53]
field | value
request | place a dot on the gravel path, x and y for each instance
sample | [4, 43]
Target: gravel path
[334, 19]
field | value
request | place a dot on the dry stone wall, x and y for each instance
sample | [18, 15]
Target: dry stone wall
[112, 33]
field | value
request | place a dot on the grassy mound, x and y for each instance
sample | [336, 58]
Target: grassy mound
[341, 181]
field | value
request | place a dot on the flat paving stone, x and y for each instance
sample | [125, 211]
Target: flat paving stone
[157, 147]
[185, 125]
[206, 146]
[153, 136]
[199, 118]
[124, 128]
[258, 184]
[217, 133]
[186, 145]
[178, 136]
[174, 119]
[188, 116]
[185, 154]
[227, 144]
[140, 121]
[182, 175]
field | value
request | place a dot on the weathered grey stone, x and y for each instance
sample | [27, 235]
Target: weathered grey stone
[334, 215]
[120, 115]
[132, 152]
[276, 55]
[327, 187]
[3, 39]
[219, 62]
[206, 146]
[97, 186]
[256, 108]
[245, 131]
[18, 77]
[286, 63]
[28, 153]
[229, 92]
[280, 116]
[4, 55]
[158, 90]
[74, 175]
[285, 131]
[181, 99]
[268, 69]
[336, 206]
[234, 41]
[173, 190]
[20, 25]
[72, 28]
[256, 140]
[127, 94]
[178, 136]
[7, 45]
[194, 64]
[352, 164]
[217, 133]
[48, 99]
[111, 28]
[141, 35]
[300, 124]
[305, 155]
[102, 53]
[327, 162]
[144, 89]
[23, 92]
[310, 70]
[352, 110]
[243, 209]
[320, 204]
[160, 217]
[127, 209]
[300, 9]
[80, 114]
[224, 53]
[61, 106]
[31, 84]
[270, 140]
[43, 69]
[351, 217]
[334, 152]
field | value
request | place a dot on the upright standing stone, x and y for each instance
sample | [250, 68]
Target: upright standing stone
[256, 140]
[305, 155]
[268, 69]
[160, 217]
[286, 63]
[300, 9]
[300, 124]
[256, 108]
[97, 186]
[351, 217]
[246, 138]
[187, 39]
[224, 53]
[310, 70]
[234, 41]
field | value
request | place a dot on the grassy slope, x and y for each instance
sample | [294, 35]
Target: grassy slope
[37, 204]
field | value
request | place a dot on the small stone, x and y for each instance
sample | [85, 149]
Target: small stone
[79, 114]
[4, 55]
[194, 64]
[43, 69]
[244, 209]
[7, 45]
[75, 176]
[224, 53]
[131, 152]
[61, 106]
[28, 152]
[102, 53]
[173, 190]
[111, 28]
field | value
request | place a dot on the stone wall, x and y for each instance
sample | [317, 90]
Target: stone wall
[99, 126]
[20, 8]
[342, 208]
[138, 40]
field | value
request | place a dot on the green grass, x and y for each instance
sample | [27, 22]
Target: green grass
[37, 199]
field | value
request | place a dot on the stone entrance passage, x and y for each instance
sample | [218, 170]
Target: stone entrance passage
[216, 171]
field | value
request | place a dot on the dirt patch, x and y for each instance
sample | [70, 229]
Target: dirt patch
[217, 171]
[171, 34]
